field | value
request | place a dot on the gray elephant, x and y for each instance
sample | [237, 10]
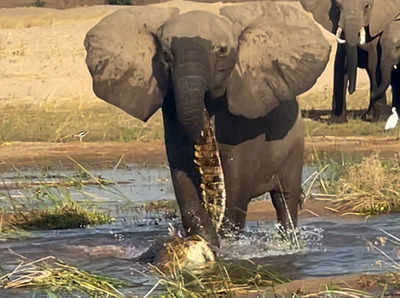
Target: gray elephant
[389, 66]
[357, 25]
[226, 79]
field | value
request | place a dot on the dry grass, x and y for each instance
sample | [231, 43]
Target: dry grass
[52, 274]
[368, 187]
[354, 127]
[61, 122]
[221, 280]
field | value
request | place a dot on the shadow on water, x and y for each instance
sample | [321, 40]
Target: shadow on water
[332, 246]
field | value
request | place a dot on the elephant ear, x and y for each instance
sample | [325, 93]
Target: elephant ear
[325, 12]
[281, 54]
[120, 51]
[383, 12]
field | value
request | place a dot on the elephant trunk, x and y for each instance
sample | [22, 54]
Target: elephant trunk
[386, 72]
[191, 80]
[352, 30]
[352, 64]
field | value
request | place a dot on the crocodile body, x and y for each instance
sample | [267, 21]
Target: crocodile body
[208, 161]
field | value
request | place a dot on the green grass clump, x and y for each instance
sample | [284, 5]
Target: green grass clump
[369, 187]
[120, 2]
[39, 3]
[54, 275]
[69, 216]
[48, 208]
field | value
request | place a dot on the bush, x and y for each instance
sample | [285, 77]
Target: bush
[120, 2]
[39, 3]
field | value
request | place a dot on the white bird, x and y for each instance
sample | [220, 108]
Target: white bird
[81, 135]
[391, 122]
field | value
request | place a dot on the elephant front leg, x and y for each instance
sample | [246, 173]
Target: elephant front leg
[340, 82]
[396, 89]
[286, 207]
[287, 194]
[377, 109]
[186, 179]
[195, 218]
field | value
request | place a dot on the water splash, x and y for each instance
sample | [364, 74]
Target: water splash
[263, 240]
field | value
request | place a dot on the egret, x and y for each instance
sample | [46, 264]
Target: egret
[392, 120]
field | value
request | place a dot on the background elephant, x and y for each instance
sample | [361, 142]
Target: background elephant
[240, 65]
[390, 62]
[357, 24]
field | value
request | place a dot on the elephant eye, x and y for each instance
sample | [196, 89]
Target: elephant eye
[221, 50]
[167, 56]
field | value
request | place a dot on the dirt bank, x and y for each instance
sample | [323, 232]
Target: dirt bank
[108, 154]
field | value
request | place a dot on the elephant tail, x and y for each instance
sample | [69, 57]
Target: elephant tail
[212, 185]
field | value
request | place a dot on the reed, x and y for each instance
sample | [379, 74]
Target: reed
[52, 274]
[369, 187]
[222, 279]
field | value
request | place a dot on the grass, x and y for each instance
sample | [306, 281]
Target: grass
[53, 275]
[39, 3]
[68, 216]
[61, 121]
[368, 186]
[354, 127]
[49, 207]
[222, 280]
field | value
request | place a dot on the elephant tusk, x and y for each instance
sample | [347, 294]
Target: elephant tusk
[338, 34]
[363, 36]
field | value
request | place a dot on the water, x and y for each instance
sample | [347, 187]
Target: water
[332, 246]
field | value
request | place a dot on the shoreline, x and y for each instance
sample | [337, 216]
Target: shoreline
[99, 155]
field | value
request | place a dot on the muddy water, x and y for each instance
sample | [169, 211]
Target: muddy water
[329, 246]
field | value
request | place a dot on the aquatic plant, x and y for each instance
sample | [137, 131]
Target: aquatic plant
[53, 274]
[366, 188]
[223, 279]
[47, 207]
[69, 216]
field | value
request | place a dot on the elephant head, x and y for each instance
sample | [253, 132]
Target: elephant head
[255, 54]
[354, 22]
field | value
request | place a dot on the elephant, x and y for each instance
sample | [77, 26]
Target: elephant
[389, 66]
[357, 25]
[226, 79]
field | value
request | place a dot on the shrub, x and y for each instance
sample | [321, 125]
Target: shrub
[39, 3]
[120, 2]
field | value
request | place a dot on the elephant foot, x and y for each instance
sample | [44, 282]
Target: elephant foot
[367, 115]
[338, 118]
[192, 253]
[380, 112]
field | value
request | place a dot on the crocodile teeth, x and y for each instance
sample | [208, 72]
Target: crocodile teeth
[212, 187]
